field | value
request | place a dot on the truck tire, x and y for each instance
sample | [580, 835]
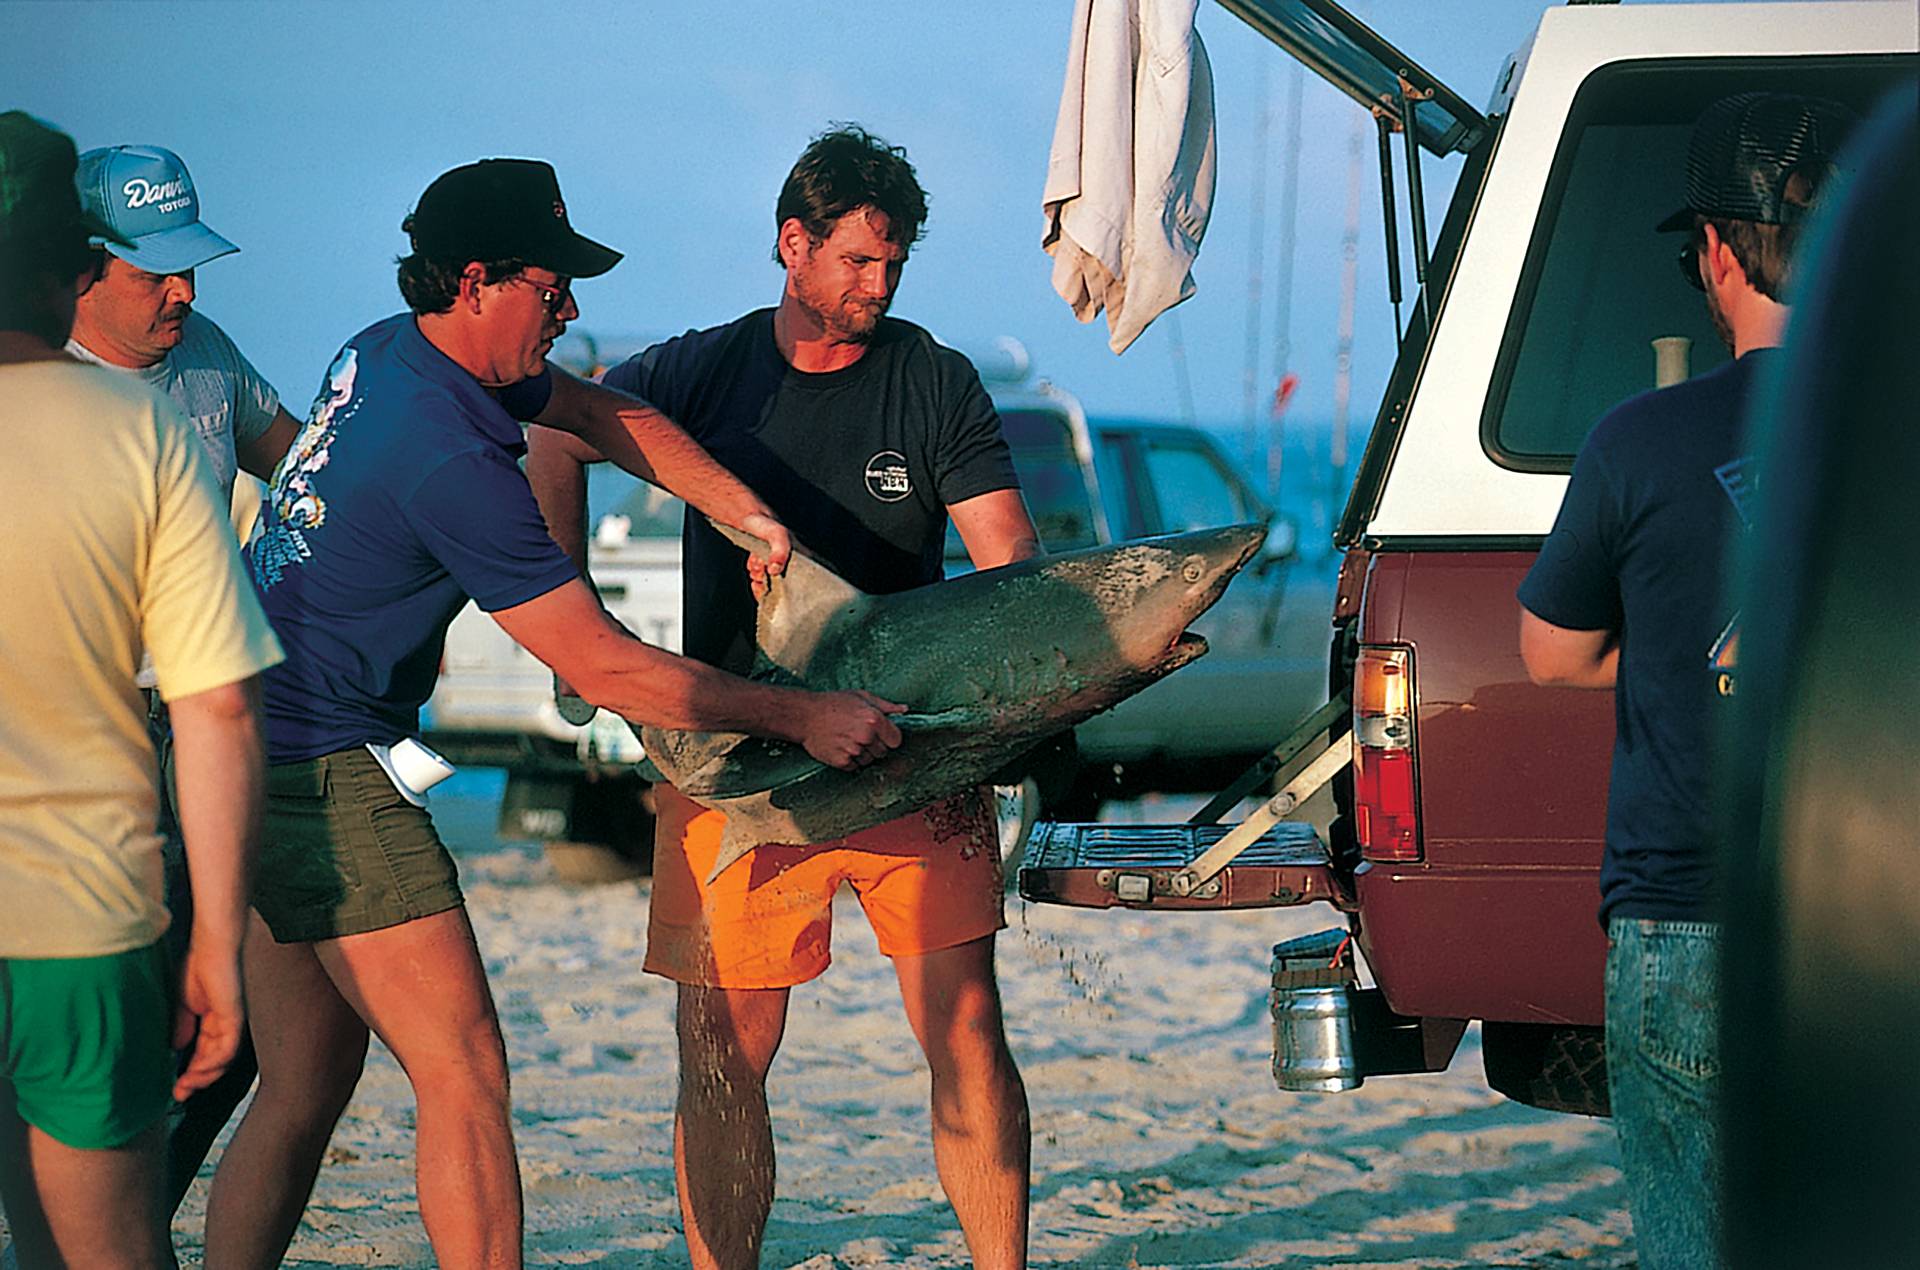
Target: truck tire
[594, 826]
[1550, 1066]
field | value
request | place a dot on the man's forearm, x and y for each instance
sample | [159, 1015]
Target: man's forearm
[220, 769]
[649, 685]
[556, 468]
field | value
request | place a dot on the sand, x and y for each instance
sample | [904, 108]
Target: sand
[1159, 1138]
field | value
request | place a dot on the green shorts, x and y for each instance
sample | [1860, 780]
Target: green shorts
[86, 1044]
[344, 853]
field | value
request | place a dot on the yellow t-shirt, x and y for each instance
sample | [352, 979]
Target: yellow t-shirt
[112, 537]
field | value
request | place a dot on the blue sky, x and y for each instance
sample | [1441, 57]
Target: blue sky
[311, 128]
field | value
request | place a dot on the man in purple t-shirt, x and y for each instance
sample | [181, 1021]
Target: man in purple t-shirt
[401, 499]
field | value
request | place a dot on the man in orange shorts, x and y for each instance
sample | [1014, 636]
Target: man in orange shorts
[866, 436]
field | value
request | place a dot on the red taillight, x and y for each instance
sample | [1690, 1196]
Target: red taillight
[1386, 809]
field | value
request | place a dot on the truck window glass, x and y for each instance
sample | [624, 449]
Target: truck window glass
[1192, 491]
[651, 512]
[1051, 477]
[1599, 285]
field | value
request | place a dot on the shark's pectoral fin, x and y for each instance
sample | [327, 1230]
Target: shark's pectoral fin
[800, 604]
[752, 766]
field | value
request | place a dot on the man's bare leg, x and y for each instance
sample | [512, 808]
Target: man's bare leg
[311, 1046]
[422, 988]
[722, 1141]
[981, 1140]
[55, 1197]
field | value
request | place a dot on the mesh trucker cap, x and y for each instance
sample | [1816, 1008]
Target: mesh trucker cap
[1747, 147]
[38, 202]
[145, 194]
[503, 209]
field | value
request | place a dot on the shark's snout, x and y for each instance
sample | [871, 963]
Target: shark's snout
[1213, 556]
[1195, 570]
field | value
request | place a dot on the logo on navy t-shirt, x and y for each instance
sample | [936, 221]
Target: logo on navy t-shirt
[1738, 479]
[887, 478]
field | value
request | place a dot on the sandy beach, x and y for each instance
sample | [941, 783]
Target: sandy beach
[1159, 1138]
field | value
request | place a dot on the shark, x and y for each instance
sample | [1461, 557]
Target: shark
[989, 664]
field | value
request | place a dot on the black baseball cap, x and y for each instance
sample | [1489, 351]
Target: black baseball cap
[503, 209]
[1745, 149]
[39, 203]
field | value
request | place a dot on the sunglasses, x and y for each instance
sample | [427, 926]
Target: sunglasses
[1690, 262]
[553, 294]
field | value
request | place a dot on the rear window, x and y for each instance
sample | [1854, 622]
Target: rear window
[1599, 285]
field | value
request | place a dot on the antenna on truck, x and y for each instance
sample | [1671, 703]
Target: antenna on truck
[1401, 95]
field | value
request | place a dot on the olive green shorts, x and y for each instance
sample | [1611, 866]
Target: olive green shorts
[86, 1048]
[344, 853]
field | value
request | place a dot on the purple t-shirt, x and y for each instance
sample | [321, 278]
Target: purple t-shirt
[401, 499]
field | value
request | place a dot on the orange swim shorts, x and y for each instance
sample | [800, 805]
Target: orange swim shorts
[929, 880]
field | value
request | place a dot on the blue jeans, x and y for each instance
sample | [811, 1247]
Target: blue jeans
[1663, 1071]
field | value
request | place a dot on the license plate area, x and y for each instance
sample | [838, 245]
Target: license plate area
[1132, 866]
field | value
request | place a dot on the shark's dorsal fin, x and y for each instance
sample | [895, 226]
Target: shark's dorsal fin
[802, 604]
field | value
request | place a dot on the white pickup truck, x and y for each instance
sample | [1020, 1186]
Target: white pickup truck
[1087, 483]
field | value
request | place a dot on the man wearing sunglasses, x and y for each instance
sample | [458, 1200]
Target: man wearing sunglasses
[401, 499]
[1628, 594]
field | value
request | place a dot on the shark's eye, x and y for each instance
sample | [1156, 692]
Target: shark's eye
[1193, 568]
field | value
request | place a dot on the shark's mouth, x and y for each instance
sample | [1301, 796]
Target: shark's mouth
[1186, 646]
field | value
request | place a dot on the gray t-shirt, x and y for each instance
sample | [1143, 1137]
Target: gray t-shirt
[226, 399]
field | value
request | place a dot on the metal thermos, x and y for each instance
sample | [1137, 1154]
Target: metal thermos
[1313, 980]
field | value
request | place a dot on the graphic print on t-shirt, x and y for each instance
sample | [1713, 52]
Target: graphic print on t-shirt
[295, 506]
[1740, 482]
[886, 475]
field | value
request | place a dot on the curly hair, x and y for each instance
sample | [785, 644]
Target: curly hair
[430, 285]
[846, 168]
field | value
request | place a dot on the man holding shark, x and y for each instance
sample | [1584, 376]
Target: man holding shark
[400, 500]
[864, 436]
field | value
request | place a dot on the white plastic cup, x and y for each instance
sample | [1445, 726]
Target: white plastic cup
[412, 767]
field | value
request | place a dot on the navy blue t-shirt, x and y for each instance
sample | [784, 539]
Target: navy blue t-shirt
[401, 498]
[1659, 494]
[860, 463]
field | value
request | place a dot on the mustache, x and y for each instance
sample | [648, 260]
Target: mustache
[175, 312]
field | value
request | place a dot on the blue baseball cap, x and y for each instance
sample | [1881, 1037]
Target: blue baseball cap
[144, 195]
